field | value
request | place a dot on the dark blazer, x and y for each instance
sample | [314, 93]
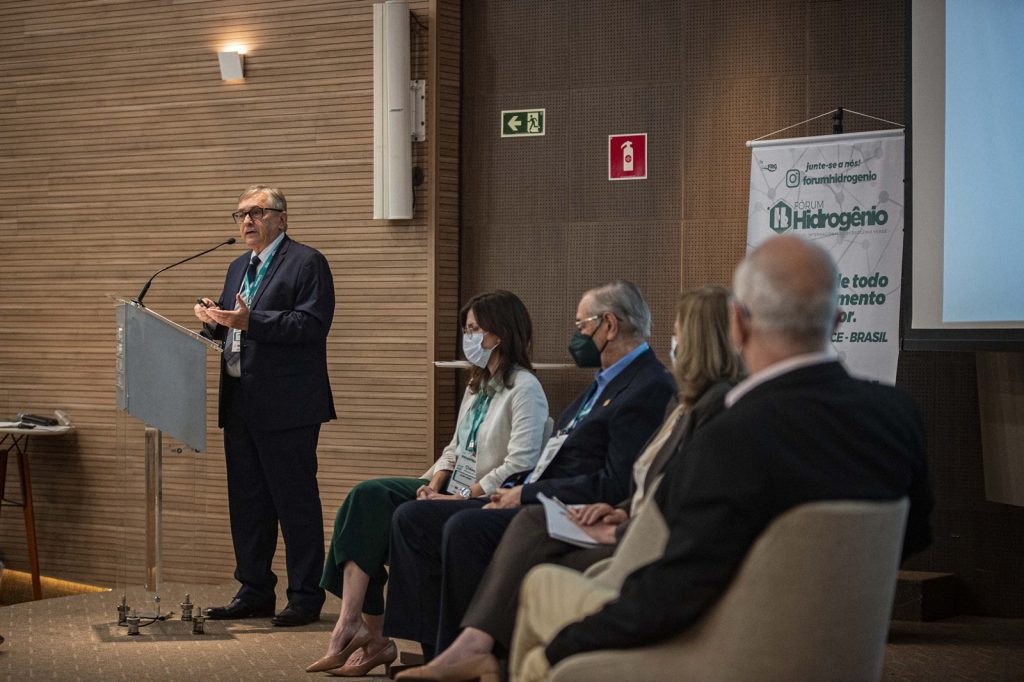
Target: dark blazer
[284, 351]
[595, 462]
[708, 406]
[811, 434]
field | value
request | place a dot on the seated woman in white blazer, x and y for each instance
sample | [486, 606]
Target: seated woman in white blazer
[500, 432]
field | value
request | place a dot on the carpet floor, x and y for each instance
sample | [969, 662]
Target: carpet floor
[77, 638]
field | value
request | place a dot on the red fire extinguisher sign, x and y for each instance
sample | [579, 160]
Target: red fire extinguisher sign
[627, 156]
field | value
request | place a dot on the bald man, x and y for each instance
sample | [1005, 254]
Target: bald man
[798, 429]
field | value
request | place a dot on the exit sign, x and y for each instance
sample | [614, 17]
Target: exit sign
[522, 123]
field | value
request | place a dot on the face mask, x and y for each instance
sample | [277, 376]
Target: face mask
[672, 352]
[583, 349]
[472, 347]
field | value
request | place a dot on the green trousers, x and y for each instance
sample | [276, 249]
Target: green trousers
[362, 533]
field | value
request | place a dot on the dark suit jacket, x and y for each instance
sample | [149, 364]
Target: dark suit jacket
[284, 352]
[708, 406]
[595, 462]
[811, 434]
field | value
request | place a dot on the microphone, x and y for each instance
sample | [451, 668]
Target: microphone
[142, 293]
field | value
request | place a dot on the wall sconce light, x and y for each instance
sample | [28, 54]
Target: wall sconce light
[231, 66]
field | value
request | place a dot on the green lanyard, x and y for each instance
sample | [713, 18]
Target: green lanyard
[585, 407]
[250, 288]
[476, 417]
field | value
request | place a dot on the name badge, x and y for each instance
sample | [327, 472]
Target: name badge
[464, 475]
[236, 340]
[550, 450]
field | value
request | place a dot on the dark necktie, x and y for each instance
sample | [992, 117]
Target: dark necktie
[254, 268]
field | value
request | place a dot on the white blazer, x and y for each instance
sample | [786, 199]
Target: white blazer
[511, 436]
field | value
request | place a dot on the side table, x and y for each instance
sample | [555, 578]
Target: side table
[13, 438]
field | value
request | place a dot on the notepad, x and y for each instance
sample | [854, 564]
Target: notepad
[560, 526]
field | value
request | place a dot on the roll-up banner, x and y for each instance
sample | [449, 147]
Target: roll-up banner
[845, 193]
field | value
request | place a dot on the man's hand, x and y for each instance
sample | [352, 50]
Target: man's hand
[203, 311]
[506, 498]
[235, 319]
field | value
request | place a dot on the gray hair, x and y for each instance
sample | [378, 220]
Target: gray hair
[789, 287]
[623, 300]
[275, 195]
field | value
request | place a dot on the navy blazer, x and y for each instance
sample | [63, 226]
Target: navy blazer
[284, 351]
[595, 463]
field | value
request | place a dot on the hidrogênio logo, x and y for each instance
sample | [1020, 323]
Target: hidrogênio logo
[810, 215]
[780, 215]
[792, 178]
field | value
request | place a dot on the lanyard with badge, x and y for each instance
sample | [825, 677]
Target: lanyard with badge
[464, 475]
[554, 443]
[248, 290]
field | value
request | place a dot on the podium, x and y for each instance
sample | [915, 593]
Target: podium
[161, 380]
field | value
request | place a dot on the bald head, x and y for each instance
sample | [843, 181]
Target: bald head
[787, 290]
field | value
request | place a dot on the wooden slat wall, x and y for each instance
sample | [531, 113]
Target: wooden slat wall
[445, 99]
[122, 151]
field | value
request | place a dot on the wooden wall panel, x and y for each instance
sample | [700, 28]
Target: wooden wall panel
[122, 151]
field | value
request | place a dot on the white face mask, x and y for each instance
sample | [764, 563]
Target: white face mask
[472, 347]
[672, 352]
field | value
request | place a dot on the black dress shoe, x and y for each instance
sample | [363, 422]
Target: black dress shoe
[292, 616]
[237, 608]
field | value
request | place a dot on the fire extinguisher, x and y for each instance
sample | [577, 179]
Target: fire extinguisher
[627, 157]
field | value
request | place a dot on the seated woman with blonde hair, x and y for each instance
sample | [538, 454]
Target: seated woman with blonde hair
[499, 433]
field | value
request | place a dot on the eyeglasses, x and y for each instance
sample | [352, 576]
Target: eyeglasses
[254, 213]
[473, 330]
[580, 324]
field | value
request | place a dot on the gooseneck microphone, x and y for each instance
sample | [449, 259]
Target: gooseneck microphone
[142, 293]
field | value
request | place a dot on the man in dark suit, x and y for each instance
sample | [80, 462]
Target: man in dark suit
[273, 317]
[439, 549]
[799, 429]
[490, 617]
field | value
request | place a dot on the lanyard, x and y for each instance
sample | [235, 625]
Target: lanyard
[249, 288]
[585, 407]
[476, 417]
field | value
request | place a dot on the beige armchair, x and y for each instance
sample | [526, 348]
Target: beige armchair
[811, 601]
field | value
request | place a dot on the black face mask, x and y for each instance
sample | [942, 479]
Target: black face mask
[583, 349]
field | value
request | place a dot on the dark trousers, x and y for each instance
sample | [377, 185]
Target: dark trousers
[524, 545]
[272, 479]
[439, 552]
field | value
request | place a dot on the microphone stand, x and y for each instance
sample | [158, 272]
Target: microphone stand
[142, 294]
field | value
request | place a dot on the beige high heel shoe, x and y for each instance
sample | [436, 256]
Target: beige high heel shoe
[358, 640]
[386, 655]
[483, 667]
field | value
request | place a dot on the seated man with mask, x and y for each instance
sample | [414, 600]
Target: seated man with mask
[799, 429]
[440, 550]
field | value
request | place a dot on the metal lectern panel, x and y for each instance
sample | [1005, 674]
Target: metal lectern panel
[161, 374]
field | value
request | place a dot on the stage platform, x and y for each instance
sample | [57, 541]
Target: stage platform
[77, 638]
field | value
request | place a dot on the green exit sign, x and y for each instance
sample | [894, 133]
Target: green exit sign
[525, 122]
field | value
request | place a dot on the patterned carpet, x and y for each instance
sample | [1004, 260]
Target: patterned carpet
[77, 638]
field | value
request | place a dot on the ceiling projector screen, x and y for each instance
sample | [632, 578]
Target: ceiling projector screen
[965, 176]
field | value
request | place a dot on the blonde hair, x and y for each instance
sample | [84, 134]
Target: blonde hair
[705, 353]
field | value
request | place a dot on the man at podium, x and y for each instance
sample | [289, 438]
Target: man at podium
[273, 317]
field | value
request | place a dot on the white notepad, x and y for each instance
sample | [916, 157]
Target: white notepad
[560, 526]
